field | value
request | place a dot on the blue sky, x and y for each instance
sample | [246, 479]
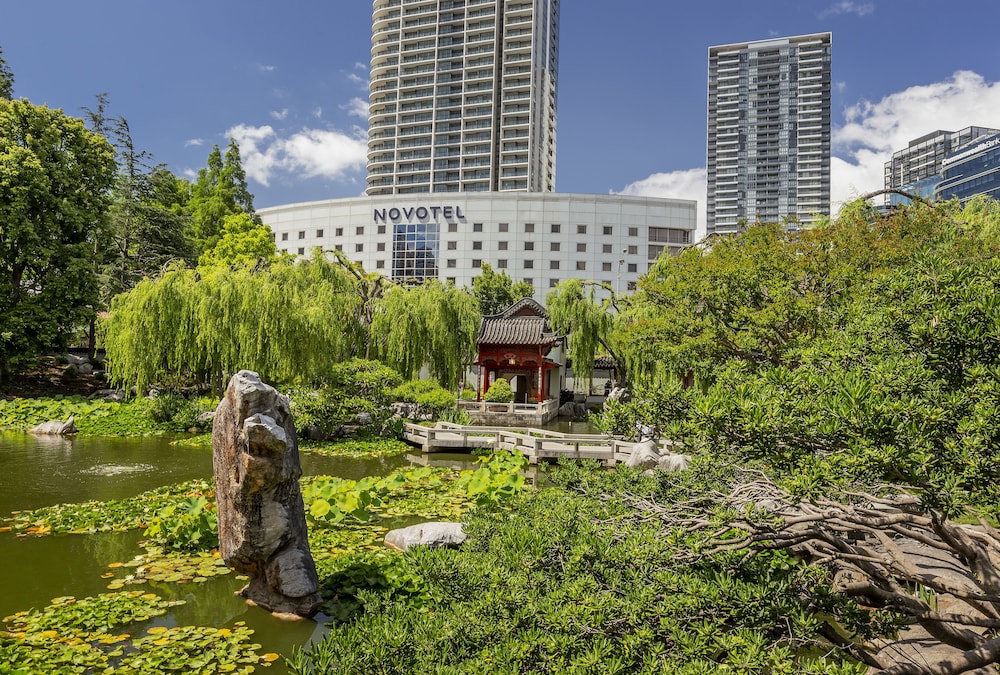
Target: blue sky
[289, 81]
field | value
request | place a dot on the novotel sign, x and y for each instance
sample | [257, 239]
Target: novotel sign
[420, 213]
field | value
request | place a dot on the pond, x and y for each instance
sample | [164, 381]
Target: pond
[42, 471]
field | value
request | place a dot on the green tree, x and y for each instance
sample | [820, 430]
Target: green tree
[495, 292]
[434, 324]
[54, 199]
[6, 79]
[574, 310]
[220, 190]
[243, 243]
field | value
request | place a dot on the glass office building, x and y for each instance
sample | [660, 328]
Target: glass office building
[972, 170]
[463, 96]
[917, 168]
[769, 132]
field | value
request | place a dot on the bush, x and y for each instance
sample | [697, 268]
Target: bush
[174, 412]
[500, 392]
[429, 396]
[352, 387]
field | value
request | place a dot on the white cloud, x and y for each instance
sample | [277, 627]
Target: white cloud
[865, 141]
[279, 114]
[318, 112]
[687, 184]
[194, 142]
[267, 69]
[358, 107]
[848, 7]
[310, 153]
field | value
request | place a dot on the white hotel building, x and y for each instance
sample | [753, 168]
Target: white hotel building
[461, 161]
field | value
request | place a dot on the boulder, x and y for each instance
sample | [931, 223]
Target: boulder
[436, 535]
[56, 428]
[671, 462]
[85, 369]
[113, 395]
[262, 524]
[645, 454]
[363, 418]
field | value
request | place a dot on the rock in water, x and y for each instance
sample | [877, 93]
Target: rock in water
[55, 428]
[262, 523]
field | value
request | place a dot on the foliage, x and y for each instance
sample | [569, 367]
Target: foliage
[219, 191]
[378, 448]
[430, 397]
[93, 417]
[433, 325]
[349, 388]
[588, 323]
[369, 571]
[499, 392]
[74, 636]
[498, 479]
[6, 79]
[565, 582]
[200, 327]
[190, 525]
[243, 242]
[53, 201]
[495, 291]
[179, 413]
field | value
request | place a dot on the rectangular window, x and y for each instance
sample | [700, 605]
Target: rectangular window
[529, 264]
[581, 265]
[581, 248]
[477, 264]
[380, 264]
[606, 248]
[633, 231]
[450, 280]
[605, 267]
[553, 283]
[453, 227]
[358, 248]
[452, 245]
[380, 246]
[319, 234]
[554, 246]
[581, 229]
[477, 246]
[632, 267]
[381, 229]
[284, 236]
[529, 246]
[501, 264]
[503, 227]
[553, 264]
[477, 227]
[359, 230]
[339, 232]
[302, 234]
[556, 227]
[451, 262]
[339, 247]
[302, 251]
[529, 227]
[607, 230]
[633, 250]
[502, 245]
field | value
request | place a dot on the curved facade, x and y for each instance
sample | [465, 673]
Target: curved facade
[463, 96]
[543, 238]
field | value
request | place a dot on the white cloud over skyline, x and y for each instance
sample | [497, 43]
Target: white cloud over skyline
[867, 137]
[308, 153]
[848, 7]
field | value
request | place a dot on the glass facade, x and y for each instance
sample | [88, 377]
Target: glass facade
[972, 170]
[416, 249]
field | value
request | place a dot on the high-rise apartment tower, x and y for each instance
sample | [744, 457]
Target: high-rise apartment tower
[768, 131]
[463, 96]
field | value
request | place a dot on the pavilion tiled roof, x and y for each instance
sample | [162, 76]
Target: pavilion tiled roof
[523, 323]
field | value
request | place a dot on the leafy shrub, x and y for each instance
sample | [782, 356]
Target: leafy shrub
[178, 413]
[358, 573]
[352, 388]
[499, 392]
[430, 397]
[188, 526]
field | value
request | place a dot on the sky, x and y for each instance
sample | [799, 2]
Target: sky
[289, 81]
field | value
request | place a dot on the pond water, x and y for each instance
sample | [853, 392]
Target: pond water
[42, 471]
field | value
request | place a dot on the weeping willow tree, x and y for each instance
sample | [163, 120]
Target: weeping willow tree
[574, 310]
[434, 324]
[290, 322]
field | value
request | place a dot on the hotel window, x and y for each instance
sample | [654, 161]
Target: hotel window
[358, 248]
[501, 264]
[302, 234]
[632, 267]
[529, 227]
[379, 264]
[453, 227]
[380, 246]
[633, 250]
[502, 245]
[284, 236]
[339, 232]
[477, 246]
[556, 227]
[632, 285]
[581, 265]
[529, 264]
[477, 227]
[554, 246]
[476, 263]
[581, 248]
[553, 283]
[319, 234]
[451, 262]
[633, 231]
[503, 227]
[529, 246]
[452, 245]
[529, 281]
[359, 230]
[581, 229]
[606, 248]
[605, 267]
[450, 280]
[381, 229]
[607, 230]
[302, 251]
[553, 264]
[339, 247]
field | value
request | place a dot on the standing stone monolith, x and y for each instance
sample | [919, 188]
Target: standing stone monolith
[262, 523]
